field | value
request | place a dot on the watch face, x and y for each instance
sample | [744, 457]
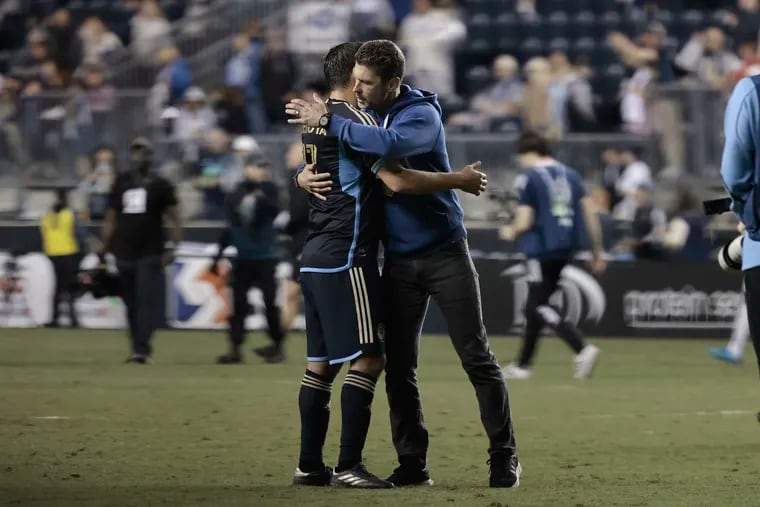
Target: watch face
[324, 120]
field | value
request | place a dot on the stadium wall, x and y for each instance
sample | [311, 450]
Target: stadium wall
[634, 298]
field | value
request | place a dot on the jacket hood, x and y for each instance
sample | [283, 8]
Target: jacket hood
[410, 96]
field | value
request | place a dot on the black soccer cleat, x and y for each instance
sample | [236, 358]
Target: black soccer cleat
[137, 359]
[505, 471]
[318, 478]
[403, 477]
[359, 477]
[271, 353]
[230, 358]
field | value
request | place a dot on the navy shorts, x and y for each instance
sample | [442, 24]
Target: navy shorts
[343, 314]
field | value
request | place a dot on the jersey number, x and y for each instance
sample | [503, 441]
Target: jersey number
[310, 154]
[134, 201]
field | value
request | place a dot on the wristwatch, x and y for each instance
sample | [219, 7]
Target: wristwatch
[324, 120]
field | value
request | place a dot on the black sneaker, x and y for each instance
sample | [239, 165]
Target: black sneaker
[408, 477]
[359, 477]
[318, 478]
[230, 358]
[137, 359]
[271, 353]
[505, 471]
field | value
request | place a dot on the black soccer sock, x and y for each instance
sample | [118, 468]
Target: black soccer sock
[356, 405]
[314, 405]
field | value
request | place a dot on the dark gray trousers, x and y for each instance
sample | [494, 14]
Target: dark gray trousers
[141, 286]
[448, 276]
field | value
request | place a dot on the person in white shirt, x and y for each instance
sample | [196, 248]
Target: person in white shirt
[428, 37]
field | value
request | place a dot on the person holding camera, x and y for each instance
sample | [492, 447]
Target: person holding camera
[62, 243]
[740, 172]
[133, 231]
[251, 210]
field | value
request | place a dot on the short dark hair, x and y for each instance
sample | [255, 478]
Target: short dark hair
[533, 142]
[339, 63]
[384, 57]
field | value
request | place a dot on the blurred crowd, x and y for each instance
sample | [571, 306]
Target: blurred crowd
[555, 66]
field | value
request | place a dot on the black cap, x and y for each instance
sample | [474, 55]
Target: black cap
[141, 142]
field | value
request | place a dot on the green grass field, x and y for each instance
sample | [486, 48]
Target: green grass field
[661, 424]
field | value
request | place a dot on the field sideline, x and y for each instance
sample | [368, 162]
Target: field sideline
[661, 424]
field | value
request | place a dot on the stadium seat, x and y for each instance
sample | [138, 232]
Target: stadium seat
[583, 49]
[583, 25]
[476, 79]
[611, 21]
[556, 25]
[531, 47]
[480, 7]
[558, 44]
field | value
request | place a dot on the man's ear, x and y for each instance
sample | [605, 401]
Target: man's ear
[394, 83]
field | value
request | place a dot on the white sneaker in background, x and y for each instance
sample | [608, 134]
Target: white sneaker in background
[585, 361]
[513, 371]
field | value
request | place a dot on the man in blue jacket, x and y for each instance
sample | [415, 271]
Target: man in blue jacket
[426, 255]
[740, 170]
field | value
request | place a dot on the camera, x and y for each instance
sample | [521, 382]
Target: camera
[730, 254]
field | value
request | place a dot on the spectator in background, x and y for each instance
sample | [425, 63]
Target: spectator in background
[686, 237]
[750, 64]
[95, 105]
[229, 108]
[641, 113]
[636, 175]
[150, 32]
[429, 37]
[744, 22]
[215, 161]
[706, 58]
[254, 100]
[499, 101]
[612, 169]
[600, 198]
[571, 102]
[313, 27]
[194, 121]
[647, 53]
[372, 19]
[245, 151]
[174, 74]
[535, 112]
[278, 75]
[11, 142]
[97, 183]
[27, 62]
[237, 72]
[648, 226]
[63, 41]
[98, 42]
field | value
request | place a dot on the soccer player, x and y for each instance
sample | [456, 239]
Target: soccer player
[251, 210]
[426, 254]
[740, 171]
[549, 225]
[341, 283]
[134, 232]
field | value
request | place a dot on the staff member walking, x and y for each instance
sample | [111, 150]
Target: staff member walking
[134, 232]
[62, 244]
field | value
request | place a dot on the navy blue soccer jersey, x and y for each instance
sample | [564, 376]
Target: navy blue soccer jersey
[349, 224]
[554, 192]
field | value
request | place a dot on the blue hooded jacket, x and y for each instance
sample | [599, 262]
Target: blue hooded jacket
[411, 132]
